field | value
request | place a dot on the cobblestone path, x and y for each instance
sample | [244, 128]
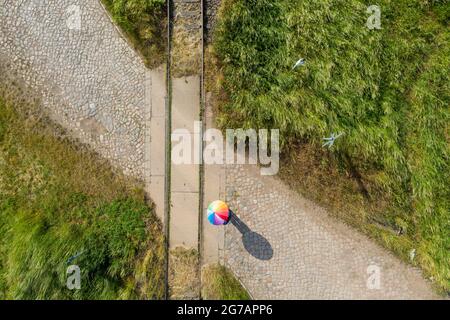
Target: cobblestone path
[89, 78]
[285, 247]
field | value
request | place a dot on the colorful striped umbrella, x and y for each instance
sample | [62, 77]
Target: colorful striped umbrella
[218, 213]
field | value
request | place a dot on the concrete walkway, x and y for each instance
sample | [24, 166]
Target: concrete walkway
[155, 137]
[286, 247]
[185, 177]
[214, 189]
[185, 112]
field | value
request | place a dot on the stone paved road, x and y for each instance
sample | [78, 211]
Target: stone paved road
[90, 80]
[295, 251]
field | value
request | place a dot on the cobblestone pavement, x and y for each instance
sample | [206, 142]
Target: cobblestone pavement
[285, 247]
[90, 80]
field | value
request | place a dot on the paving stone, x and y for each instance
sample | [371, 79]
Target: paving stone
[91, 81]
[285, 247]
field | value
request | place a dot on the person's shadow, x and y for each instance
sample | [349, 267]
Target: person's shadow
[254, 243]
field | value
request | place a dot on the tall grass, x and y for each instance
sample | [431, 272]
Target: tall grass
[387, 90]
[144, 23]
[218, 283]
[58, 200]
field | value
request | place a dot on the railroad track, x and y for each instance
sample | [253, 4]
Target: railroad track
[185, 58]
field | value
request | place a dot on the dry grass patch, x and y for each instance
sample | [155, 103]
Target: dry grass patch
[184, 282]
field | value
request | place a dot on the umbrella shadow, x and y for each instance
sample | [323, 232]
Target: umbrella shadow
[254, 243]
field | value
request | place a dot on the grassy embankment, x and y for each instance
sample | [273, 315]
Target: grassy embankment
[144, 23]
[57, 200]
[220, 284]
[387, 91]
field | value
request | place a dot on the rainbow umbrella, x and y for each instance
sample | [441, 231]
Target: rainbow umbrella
[218, 213]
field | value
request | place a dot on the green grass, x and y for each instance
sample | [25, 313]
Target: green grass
[386, 90]
[219, 284]
[58, 199]
[144, 24]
